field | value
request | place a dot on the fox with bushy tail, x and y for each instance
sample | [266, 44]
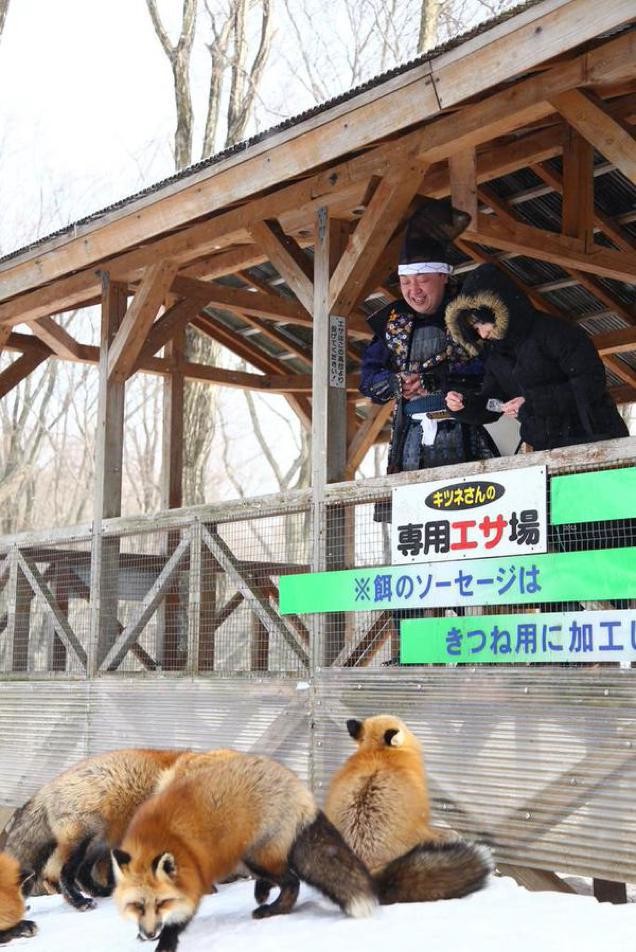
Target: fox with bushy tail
[241, 809]
[76, 817]
[378, 801]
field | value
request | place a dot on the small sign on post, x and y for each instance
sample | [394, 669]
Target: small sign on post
[495, 514]
[337, 352]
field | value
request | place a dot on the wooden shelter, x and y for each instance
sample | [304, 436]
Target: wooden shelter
[526, 123]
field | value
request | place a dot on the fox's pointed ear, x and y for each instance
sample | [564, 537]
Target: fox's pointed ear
[120, 859]
[355, 728]
[394, 738]
[164, 866]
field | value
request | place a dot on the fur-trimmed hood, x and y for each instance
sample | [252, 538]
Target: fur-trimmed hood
[494, 298]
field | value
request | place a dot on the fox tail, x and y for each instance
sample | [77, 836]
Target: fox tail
[430, 871]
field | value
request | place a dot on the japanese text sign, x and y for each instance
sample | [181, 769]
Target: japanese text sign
[555, 577]
[552, 637]
[495, 514]
[337, 351]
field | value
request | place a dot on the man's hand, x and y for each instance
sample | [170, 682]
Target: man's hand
[454, 401]
[412, 387]
[511, 408]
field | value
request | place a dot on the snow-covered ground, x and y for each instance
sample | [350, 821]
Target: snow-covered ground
[502, 918]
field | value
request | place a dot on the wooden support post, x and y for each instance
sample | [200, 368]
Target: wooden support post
[61, 594]
[578, 188]
[108, 479]
[207, 610]
[329, 427]
[463, 181]
[20, 596]
[171, 617]
[259, 645]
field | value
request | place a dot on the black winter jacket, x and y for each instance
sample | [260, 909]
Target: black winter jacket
[552, 364]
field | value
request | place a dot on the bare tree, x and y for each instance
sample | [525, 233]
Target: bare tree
[235, 75]
[4, 9]
[179, 55]
[429, 25]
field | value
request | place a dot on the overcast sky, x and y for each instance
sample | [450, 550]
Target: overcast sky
[86, 112]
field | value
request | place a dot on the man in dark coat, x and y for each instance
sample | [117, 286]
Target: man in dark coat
[545, 371]
[412, 361]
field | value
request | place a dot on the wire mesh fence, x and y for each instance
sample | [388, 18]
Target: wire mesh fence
[197, 591]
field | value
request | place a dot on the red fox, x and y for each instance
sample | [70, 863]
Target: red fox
[78, 816]
[244, 808]
[378, 801]
[13, 881]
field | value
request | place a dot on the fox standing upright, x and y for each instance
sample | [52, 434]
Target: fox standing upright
[379, 801]
[195, 832]
[13, 925]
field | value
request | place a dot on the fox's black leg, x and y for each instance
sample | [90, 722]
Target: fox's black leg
[96, 852]
[262, 889]
[23, 930]
[169, 938]
[287, 882]
[68, 875]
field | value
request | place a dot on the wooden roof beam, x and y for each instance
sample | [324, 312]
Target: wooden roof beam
[168, 326]
[558, 249]
[462, 169]
[622, 370]
[390, 201]
[587, 113]
[602, 222]
[56, 337]
[366, 435]
[288, 258]
[15, 373]
[616, 342]
[129, 339]
[207, 324]
[211, 294]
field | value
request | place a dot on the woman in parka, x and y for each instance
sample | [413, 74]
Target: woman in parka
[544, 370]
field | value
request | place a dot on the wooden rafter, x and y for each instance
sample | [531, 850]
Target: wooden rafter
[602, 222]
[558, 249]
[12, 375]
[616, 342]
[366, 435]
[587, 113]
[129, 340]
[288, 258]
[506, 213]
[389, 202]
[56, 337]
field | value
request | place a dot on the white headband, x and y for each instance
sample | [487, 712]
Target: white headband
[425, 267]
